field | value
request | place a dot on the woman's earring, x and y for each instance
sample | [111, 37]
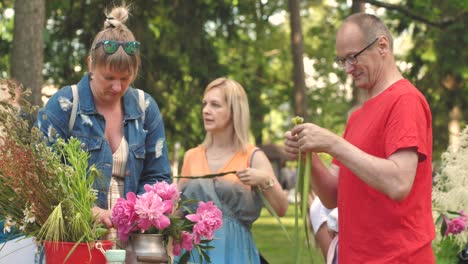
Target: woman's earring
[90, 75]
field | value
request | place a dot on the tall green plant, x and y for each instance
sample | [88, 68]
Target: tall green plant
[45, 191]
[72, 219]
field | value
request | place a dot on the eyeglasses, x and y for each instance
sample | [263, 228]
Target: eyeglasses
[111, 46]
[352, 59]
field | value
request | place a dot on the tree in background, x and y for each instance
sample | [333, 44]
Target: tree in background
[186, 44]
[27, 56]
[297, 48]
[6, 36]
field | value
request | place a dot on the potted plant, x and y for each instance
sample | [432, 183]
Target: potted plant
[46, 191]
[152, 221]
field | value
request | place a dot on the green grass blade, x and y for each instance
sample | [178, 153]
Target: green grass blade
[303, 187]
[206, 176]
[305, 196]
[73, 248]
[296, 209]
[272, 211]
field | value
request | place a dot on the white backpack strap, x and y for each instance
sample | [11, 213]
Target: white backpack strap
[71, 121]
[141, 101]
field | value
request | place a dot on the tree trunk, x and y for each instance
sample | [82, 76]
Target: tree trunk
[358, 6]
[297, 47]
[27, 57]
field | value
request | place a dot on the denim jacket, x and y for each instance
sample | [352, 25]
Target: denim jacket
[148, 160]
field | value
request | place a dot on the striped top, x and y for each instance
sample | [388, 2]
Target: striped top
[116, 188]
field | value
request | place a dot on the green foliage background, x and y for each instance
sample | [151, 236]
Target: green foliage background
[186, 44]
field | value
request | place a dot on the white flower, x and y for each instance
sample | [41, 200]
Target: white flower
[29, 216]
[450, 191]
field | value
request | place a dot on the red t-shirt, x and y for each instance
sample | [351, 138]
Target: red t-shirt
[372, 227]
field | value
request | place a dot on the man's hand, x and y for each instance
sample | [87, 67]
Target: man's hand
[313, 138]
[291, 146]
[308, 137]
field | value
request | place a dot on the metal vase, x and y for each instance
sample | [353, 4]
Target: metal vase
[146, 248]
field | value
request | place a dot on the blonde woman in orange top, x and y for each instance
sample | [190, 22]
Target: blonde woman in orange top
[226, 148]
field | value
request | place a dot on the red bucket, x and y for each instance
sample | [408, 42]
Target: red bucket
[84, 253]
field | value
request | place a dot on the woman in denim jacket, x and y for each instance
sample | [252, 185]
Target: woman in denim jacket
[124, 137]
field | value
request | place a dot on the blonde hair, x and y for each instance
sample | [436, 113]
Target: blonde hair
[237, 102]
[115, 29]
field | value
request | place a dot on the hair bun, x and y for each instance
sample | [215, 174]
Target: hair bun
[117, 17]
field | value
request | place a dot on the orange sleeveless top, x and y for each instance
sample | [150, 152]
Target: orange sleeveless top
[196, 163]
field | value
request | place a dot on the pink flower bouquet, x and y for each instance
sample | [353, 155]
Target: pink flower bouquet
[154, 212]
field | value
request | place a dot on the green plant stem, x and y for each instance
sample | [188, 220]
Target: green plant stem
[206, 176]
[257, 190]
[272, 211]
[305, 195]
[303, 187]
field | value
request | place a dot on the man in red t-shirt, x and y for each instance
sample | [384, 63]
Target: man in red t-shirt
[381, 176]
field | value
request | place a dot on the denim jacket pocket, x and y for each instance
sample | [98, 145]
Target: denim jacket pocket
[138, 151]
[90, 144]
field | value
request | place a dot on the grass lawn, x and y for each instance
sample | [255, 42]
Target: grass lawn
[273, 243]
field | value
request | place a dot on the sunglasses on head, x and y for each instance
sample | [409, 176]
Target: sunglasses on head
[111, 46]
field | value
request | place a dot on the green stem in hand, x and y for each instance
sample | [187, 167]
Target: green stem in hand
[305, 194]
[206, 176]
[302, 186]
[257, 190]
[272, 211]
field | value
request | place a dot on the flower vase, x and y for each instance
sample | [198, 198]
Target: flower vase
[146, 248]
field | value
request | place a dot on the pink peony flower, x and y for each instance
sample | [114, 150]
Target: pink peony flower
[164, 190]
[123, 215]
[175, 248]
[463, 215]
[456, 225]
[153, 212]
[150, 209]
[167, 192]
[208, 218]
[186, 242]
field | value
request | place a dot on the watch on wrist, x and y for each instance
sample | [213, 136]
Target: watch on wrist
[269, 184]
